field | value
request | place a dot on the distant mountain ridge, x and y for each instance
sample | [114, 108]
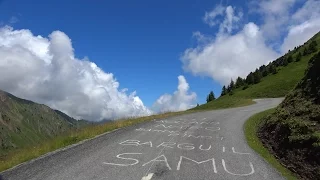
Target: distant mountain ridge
[25, 123]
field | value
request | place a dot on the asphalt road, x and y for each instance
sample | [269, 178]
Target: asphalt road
[206, 145]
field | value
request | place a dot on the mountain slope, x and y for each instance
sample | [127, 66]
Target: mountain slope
[287, 76]
[273, 84]
[25, 123]
[293, 131]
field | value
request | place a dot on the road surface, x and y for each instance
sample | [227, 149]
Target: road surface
[206, 145]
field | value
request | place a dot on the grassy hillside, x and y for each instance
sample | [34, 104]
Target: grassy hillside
[292, 132]
[275, 83]
[25, 123]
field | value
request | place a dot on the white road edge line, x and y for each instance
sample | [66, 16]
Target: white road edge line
[147, 177]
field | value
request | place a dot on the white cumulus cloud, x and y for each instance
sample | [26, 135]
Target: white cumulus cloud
[46, 70]
[226, 17]
[238, 48]
[275, 15]
[180, 100]
[229, 56]
[211, 18]
[305, 23]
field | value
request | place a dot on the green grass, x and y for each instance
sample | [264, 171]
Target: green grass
[24, 154]
[271, 86]
[225, 102]
[276, 85]
[250, 129]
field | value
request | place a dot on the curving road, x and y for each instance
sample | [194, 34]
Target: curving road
[206, 145]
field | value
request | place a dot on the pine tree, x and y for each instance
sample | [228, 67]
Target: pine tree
[224, 91]
[285, 62]
[211, 96]
[231, 85]
[289, 59]
[305, 51]
[273, 69]
[228, 89]
[312, 47]
[250, 78]
[239, 82]
[257, 76]
[245, 86]
[265, 72]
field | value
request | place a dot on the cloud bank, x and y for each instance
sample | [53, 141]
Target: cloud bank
[45, 70]
[237, 48]
[179, 101]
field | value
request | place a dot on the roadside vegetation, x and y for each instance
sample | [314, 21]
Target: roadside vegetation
[23, 154]
[292, 132]
[251, 128]
[224, 102]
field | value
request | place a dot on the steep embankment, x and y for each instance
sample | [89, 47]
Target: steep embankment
[276, 79]
[25, 123]
[292, 132]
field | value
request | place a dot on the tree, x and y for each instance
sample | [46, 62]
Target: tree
[285, 62]
[312, 47]
[245, 86]
[257, 76]
[197, 104]
[273, 69]
[289, 59]
[224, 91]
[231, 85]
[265, 72]
[298, 57]
[228, 89]
[239, 82]
[305, 51]
[210, 97]
[250, 78]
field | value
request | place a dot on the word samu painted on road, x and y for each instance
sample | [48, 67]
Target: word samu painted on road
[129, 159]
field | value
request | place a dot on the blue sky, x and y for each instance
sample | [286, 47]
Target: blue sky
[143, 43]
[140, 42]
